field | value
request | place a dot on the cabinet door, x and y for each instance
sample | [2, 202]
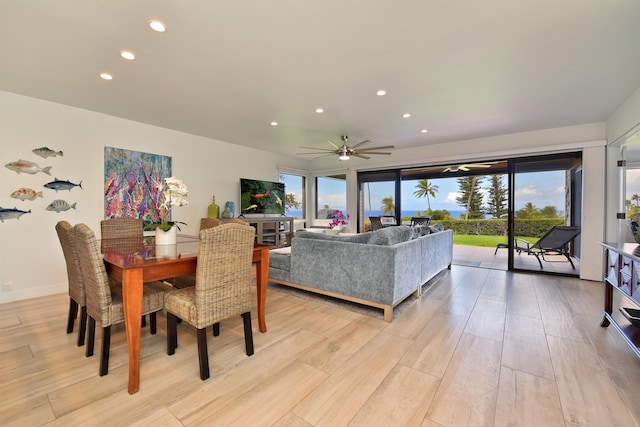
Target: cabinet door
[613, 270]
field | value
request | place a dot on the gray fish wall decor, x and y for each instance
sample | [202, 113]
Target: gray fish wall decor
[60, 206]
[58, 184]
[46, 152]
[11, 213]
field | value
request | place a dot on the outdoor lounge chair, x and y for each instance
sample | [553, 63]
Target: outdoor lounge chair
[554, 242]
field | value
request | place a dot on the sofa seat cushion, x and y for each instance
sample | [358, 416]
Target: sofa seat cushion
[391, 235]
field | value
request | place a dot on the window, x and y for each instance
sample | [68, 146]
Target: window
[331, 195]
[294, 191]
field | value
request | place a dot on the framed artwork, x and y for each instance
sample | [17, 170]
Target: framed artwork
[131, 180]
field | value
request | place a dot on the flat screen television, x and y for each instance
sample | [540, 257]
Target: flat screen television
[261, 197]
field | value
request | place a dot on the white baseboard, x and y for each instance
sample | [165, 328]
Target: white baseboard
[19, 295]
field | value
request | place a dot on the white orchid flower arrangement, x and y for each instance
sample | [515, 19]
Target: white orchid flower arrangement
[173, 193]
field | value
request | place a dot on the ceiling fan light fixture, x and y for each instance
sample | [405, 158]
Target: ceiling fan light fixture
[344, 154]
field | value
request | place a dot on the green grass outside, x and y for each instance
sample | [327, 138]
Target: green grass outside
[487, 241]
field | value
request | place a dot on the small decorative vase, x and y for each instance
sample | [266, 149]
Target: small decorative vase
[166, 237]
[213, 211]
[166, 251]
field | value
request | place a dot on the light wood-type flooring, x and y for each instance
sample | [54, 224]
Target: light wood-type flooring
[480, 348]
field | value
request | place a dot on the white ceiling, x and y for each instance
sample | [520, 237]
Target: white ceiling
[226, 69]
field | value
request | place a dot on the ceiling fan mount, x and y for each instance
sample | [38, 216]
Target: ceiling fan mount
[345, 152]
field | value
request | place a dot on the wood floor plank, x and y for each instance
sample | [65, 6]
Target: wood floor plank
[354, 382]
[527, 353]
[253, 409]
[401, 400]
[487, 319]
[468, 391]
[527, 400]
[582, 384]
[432, 350]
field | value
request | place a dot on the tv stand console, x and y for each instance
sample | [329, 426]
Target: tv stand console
[276, 231]
[622, 272]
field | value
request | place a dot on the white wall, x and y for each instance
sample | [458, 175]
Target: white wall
[31, 260]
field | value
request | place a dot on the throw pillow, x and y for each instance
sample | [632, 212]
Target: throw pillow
[391, 235]
[436, 227]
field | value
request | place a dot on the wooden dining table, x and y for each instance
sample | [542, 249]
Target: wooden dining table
[149, 262]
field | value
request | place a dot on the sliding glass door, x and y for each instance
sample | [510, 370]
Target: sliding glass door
[546, 201]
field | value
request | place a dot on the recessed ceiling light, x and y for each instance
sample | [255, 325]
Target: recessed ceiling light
[106, 76]
[381, 93]
[319, 110]
[157, 26]
[274, 123]
[406, 115]
[127, 55]
[424, 131]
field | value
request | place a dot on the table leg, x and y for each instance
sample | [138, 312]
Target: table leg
[608, 303]
[132, 299]
[262, 276]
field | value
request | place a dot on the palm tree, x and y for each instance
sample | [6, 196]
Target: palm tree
[635, 198]
[387, 206]
[424, 189]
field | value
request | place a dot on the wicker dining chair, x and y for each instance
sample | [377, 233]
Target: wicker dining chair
[222, 289]
[77, 295]
[104, 303]
[208, 223]
[187, 280]
[120, 228]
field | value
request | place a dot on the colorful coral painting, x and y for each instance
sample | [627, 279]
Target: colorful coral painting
[131, 183]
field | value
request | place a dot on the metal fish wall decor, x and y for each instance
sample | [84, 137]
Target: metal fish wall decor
[60, 206]
[11, 213]
[46, 152]
[27, 167]
[58, 184]
[26, 194]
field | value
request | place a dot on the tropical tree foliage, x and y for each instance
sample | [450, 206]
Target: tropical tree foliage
[470, 197]
[290, 201]
[388, 207]
[497, 197]
[425, 189]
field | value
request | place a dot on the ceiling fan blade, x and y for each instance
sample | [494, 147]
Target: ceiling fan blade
[373, 152]
[361, 156]
[382, 147]
[366, 141]
[333, 143]
[314, 148]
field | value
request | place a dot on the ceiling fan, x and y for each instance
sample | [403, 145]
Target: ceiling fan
[345, 152]
[467, 167]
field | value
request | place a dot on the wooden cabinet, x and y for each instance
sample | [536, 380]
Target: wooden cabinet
[276, 231]
[622, 272]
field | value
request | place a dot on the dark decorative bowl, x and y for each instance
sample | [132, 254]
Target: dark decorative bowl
[632, 315]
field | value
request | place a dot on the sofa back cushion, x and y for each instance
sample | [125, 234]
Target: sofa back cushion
[356, 238]
[391, 235]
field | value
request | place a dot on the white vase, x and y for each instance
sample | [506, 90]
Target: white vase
[166, 237]
[166, 251]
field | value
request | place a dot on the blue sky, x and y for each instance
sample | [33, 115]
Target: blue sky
[540, 188]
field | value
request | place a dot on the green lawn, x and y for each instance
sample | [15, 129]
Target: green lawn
[488, 241]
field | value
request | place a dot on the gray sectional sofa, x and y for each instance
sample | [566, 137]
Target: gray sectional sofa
[380, 268]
